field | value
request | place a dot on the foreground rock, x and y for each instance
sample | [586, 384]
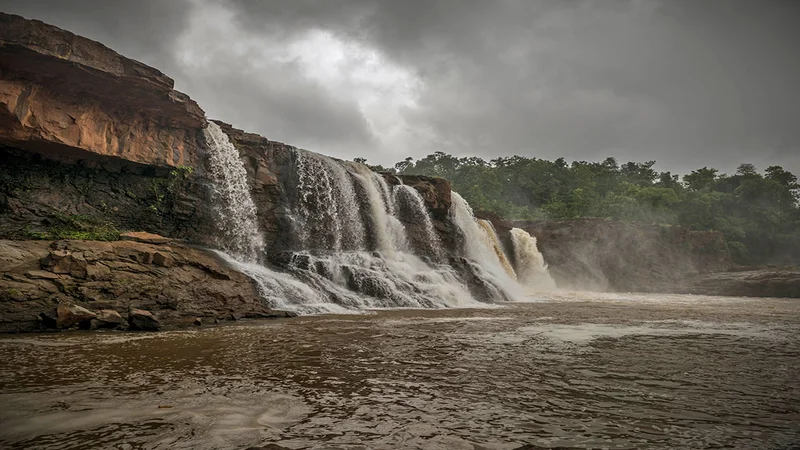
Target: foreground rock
[108, 318]
[96, 284]
[143, 320]
[68, 316]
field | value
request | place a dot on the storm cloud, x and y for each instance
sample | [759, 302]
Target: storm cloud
[687, 83]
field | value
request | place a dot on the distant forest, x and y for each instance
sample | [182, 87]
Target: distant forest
[758, 213]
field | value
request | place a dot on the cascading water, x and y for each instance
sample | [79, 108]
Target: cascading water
[235, 209]
[380, 271]
[531, 269]
[488, 228]
[478, 246]
[411, 208]
[359, 242]
[239, 237]
[328, 209]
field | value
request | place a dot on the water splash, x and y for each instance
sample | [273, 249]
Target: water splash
[531, 268]
[237, 216]
[282, 291]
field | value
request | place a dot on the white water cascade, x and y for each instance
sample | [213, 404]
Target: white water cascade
[378, 268]
[356, 242]
[328, 209]
[479, 247]
[531, 270]
[494, 240]
[236, 212]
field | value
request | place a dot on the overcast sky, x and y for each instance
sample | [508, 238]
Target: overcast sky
[688, 83]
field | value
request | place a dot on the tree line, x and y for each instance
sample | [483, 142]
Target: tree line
[757, 212]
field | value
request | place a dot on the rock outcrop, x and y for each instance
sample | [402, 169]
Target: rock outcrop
[72, 99]
[600, 254]
[90, 284]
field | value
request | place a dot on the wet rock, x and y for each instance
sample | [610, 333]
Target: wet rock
[68, 316]
[97, 272]
[108, 318]
[57, 261]
[147, 238]
[269, 447]
[268, 314]
[142, 320]
[49, 318]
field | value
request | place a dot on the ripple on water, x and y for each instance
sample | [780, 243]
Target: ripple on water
[661, 373]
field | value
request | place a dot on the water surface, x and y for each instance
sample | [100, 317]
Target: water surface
[571, 371]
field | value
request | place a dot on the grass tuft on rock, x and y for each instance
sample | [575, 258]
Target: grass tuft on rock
[79, 227]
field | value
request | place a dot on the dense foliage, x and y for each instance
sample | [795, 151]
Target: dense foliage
[758, 214]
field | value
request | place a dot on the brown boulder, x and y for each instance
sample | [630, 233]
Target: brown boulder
[108, 318]
[68, 316]
[142, 320]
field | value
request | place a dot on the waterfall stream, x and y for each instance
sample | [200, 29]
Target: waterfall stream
[531, 269]
[359, 242]
[236, 212]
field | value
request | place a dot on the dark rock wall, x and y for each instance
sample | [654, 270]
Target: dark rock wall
[619, 256]
[39, 196]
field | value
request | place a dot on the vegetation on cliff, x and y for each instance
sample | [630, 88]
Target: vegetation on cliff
[758, 213]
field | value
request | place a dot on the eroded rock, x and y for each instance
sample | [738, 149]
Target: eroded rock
[142, 320]
[68, 316]
[143, 236]
[108, 318]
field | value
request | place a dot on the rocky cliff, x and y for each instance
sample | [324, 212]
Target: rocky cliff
[72, 99]
[621, 256]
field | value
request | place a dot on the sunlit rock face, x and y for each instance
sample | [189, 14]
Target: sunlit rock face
[71, 98]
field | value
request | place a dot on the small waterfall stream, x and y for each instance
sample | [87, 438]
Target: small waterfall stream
[531, 269]
[236, 212]
[479, 247]
[359, 242]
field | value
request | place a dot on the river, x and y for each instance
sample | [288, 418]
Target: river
[572, 370]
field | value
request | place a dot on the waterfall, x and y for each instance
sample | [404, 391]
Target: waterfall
[328, 209]
[412, 211]
[236, 212]
[478, 246]
[356, 242]
[531, 269]
[488, 228]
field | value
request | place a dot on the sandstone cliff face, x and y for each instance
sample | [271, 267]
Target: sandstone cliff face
[73, 99]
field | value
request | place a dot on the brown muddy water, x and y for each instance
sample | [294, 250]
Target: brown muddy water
[572, 371]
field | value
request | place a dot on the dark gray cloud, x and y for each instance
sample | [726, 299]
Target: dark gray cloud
[685, 82]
